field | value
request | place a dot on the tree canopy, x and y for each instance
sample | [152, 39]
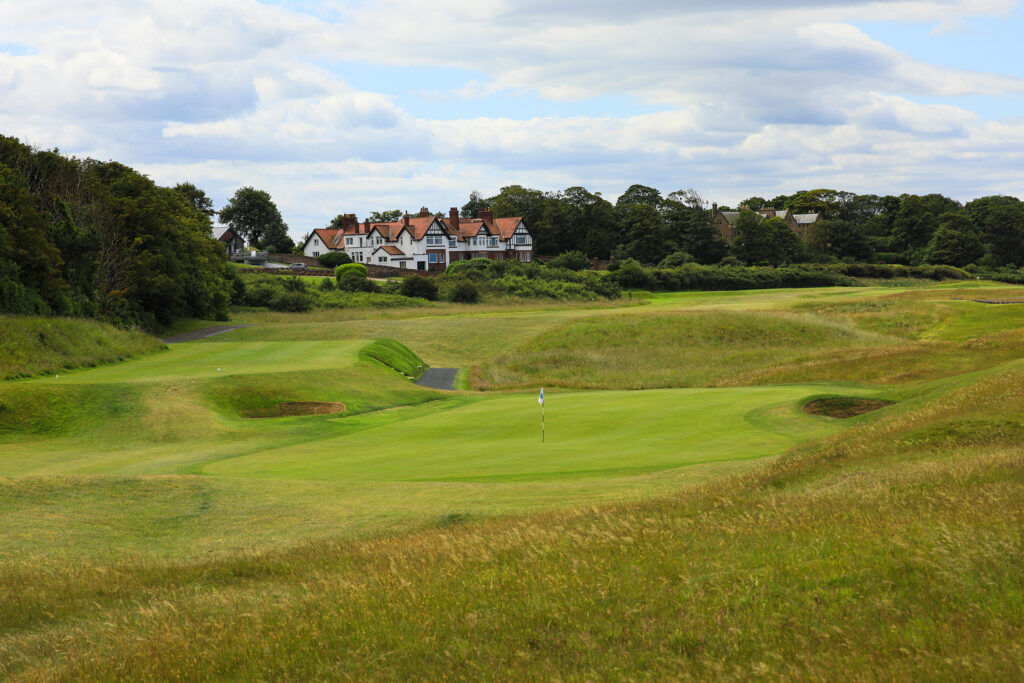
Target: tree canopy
[254, 215]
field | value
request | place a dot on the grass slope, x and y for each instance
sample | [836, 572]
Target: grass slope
[33, 346]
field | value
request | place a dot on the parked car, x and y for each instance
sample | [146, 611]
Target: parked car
[297, 266]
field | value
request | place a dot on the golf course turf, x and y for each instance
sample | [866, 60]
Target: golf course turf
[692, 511]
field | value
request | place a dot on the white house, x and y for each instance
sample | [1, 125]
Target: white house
[424, 241]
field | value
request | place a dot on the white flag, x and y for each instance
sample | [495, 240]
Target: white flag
[540, 399]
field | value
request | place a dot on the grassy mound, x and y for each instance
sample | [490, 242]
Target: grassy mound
[33, 345]
[394, 355]
[663, 350]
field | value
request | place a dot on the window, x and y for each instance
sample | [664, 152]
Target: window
[315, 254]
[316, 242]
[452, 243]
[432, 258]
[492, 242]
[348, 241]
[435, 241]
[382, 259]
[522, 239]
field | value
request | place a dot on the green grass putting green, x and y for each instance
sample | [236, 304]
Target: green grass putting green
[587, 434]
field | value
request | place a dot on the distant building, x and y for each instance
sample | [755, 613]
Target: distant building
[725, 221]
[425, 241]
[233, 243]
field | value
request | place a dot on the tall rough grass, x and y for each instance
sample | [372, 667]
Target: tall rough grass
[663, 350]
[35, 345]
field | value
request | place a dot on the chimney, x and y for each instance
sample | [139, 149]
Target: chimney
[486, 215]
[424, 212]
[714, 208]
[405, 219]
[349, 221]
[453, 217]
[366, 225]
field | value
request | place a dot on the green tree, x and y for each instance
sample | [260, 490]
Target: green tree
[572, 260]
[253, 214]
[639, 194]
[389, 216]
[196, 198]
[916, 220]
[475, 204]
[839, 238]
[753, 240]
[689, 222]
[647, 237]
[1001, 224]
[955, 243]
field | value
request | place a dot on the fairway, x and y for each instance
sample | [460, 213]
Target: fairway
[588, 434]
[203, 359]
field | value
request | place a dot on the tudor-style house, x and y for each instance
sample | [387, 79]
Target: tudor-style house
[725, 221]
[425, 241]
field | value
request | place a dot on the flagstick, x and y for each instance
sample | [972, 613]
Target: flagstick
[542, 423]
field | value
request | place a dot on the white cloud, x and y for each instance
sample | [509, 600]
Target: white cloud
[755, 97]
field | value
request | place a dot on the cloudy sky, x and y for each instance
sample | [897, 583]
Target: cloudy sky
[339, 106]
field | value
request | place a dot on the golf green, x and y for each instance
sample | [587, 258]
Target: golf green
[587, 434]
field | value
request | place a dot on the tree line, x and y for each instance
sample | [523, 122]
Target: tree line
[645, 225]
[81, 237]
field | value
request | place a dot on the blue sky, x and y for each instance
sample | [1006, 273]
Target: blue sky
[337, 107]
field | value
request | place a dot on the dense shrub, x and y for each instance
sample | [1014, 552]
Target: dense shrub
[351, 268]
[676, 258]
[354, 280]
[464, 292]
[631, 274]
[290, 301]
[294, 284]
[327, 285]
[333, 259]
[417, 286]
[571, 260]
[343, 299]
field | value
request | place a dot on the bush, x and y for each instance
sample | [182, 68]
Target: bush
[465, 292]
[333, 259]
[353, 280]
[571, 260]
[417, 286]
[342, 299]
[259, 293]
[394, 355]
[631, 274]
[327, 285]
[294, 284]
[290, 301]
[351, 268]
[676, 258]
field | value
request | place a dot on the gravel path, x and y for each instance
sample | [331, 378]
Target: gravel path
[438, 378]
[202, 334]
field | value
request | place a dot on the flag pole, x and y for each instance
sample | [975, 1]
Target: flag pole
[542, 423]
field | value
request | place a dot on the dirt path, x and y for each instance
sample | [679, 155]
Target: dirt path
[202, 334]
[438, 378]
